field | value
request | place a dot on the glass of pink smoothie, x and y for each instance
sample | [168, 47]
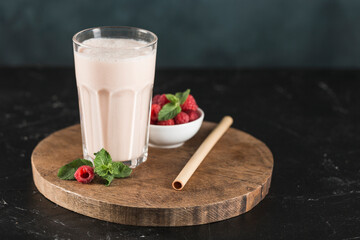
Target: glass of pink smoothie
[115, 68]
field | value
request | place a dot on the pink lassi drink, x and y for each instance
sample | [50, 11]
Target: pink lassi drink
[115, 69]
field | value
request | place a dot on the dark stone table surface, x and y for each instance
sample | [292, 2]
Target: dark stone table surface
[308, 118]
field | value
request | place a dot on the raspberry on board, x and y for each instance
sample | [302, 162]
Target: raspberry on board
[181, 118]
[189, 104]
[166, 122]
[84, 174]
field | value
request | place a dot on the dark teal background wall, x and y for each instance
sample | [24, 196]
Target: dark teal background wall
[192, 33]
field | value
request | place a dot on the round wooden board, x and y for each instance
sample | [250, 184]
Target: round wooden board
[232, 179]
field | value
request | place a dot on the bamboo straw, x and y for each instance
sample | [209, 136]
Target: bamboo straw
[201, 153]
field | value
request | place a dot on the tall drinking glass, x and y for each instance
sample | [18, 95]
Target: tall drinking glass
[115, 68]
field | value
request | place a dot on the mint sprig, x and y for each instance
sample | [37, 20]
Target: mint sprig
[120, 170]
[171, 109]
[107, 169]
[103, 166]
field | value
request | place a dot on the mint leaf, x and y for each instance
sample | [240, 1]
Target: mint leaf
[103, 163]
[172, 98]
[182, 96]
[169, 111]
[120, 170]
[102, 157]
[108, 179]
[67, 171]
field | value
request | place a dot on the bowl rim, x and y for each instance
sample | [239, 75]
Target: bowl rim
[200, 119]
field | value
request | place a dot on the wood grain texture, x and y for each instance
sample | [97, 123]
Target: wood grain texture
[233, 178]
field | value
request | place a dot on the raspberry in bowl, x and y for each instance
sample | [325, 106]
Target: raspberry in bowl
[174, 119]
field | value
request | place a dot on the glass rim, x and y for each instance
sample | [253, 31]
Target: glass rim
[115, 27]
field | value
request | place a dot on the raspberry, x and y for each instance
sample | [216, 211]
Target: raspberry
[189, 104]
[166, 122]
[155, 109]
[160, 99]
[181, 118]
[153, 122]
[155, 99]
[84, 174]
[193, 115]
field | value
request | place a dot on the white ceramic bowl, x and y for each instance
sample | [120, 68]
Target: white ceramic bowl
[175, 135]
